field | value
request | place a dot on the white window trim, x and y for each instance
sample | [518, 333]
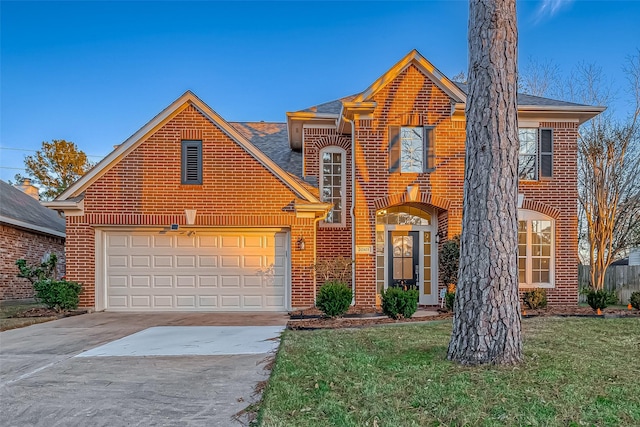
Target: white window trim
[528, 215]
[343, 179]
[536, 156]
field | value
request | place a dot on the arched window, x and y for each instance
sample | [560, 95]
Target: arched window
[332, 182]
[536, 249]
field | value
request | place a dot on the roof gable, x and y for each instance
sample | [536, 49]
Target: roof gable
[179, 105]
[426, 67]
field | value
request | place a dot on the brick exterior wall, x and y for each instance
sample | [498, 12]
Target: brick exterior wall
[412, 99]
[144, 189]
[17, 244]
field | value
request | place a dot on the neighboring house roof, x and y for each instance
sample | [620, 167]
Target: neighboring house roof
[623, 261]
[188, 98]
[23, 211]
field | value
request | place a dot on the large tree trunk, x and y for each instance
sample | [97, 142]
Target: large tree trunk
[486, 324]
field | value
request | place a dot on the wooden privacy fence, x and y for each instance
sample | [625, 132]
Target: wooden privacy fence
[624, 279]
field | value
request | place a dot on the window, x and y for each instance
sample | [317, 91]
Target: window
[332, 182]
[536, 153]
[535, 249]
[411, 149]
[192, 162]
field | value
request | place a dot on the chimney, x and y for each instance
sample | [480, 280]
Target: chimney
[28, 188]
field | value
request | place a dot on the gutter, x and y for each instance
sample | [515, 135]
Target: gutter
[31, 227]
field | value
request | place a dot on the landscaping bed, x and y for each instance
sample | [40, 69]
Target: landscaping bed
[18, 315]
[312, 318]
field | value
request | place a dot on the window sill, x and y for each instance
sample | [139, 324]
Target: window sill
[536, 286]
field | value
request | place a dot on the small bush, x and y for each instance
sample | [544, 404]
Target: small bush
[449, 299]
[334, 299]
[612, 298]
[398, 303]
[535, 298]
[598, 299]
[635, 300]
[58, 294]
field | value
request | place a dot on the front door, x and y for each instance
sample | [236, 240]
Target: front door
[404, 261]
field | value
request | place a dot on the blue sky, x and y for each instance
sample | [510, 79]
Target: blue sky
[95, 72]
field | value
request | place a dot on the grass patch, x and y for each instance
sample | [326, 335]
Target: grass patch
[9, 310]
[576, 372]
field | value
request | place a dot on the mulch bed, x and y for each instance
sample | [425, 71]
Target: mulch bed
[312, 318]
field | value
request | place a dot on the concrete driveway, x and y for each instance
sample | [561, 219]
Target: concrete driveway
[135, 369]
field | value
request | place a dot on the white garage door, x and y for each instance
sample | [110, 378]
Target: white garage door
[204, 271]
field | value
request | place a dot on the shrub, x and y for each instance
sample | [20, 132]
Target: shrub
[535, 298]
[449, 260]
[46, 270]
[334, 299]
[635, 300]
[58, 294]
[598, 299]
[398, 303]
[449, 299]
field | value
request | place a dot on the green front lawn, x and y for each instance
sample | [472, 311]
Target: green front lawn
[577, 372]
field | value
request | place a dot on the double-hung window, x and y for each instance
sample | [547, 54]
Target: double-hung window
[411, 149]
[535, 249]
[536, 154]
[332, 183]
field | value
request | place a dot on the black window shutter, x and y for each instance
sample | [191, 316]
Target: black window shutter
[192, 162]
[394, 148]
[546, 153]
[429, 150]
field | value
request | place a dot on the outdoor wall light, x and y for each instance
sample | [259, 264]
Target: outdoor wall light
[300, 243]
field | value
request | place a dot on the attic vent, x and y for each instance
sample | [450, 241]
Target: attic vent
[192, 162]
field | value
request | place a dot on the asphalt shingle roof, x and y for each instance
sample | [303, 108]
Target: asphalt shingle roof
[15, 204]
[271, 138]
[525, 99]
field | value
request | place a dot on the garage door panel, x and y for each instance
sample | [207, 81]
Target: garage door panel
[185, 281]
[163, 301]
[117, 261]
[162, 281]
[140, 241]
[229, 281]
[163, 241]
[252, 281]
[207, 241]
[162, 261]
[230, 301]
[211, 270]
[140, 301]
[208, 301]
[140, 261]
[140, 281]
[207, 261]
[207, 281]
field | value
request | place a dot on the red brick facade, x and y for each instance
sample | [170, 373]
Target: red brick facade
[143, 188]
[413, 99]
[17, 244]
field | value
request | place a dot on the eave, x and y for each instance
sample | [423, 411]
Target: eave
[312, 210]
[69, 207]
[296, 120]
[30, 227]
[578, 114]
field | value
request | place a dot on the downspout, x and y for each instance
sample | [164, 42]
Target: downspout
[352, 210]
[315, 251]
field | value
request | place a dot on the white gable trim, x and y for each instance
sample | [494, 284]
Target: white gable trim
[179, 105]
[414, 57]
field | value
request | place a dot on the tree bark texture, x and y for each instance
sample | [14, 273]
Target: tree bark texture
[486, 326]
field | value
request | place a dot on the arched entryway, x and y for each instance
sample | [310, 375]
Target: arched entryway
[406, 250]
